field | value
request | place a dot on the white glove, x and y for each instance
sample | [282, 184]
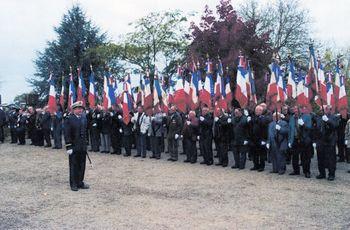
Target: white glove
[70, 151]
[289, 145]
[216, 119]
[188, 122]
[229, 120]
[120, 130]
[111, 114]
[152, 118]
[314, 145]
[245, 142]
[176, 136]
[120, 117]
[149, 134]
[164, 114]
[278, 127]
[268, 146]
[246, 113]
[282, 116]
[98, 115]
[325, 118]
[94, 124]
[249, 118]
[201, 118]
[181, 136]
[263, 143]
[87, 112]
[198, 138]
[346, 142]
[300, 122]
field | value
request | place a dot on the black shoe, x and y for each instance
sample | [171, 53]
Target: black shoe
[307, 175]
[260, 170]
[234, 167]
[84, 186]
[241, 168]
[320, 177]
[171, 159]
[281, 173]
[331, 178]
[193, 162]
[224, 166]
[157, 158]
[294, 173]
[143, 156]
[137, 156]
[74, 188]
[126, 155]
[203, 163]
[210, 163]
[253, 169]
[218, 164]
[349, 171]
[151, 157]
[187, 161]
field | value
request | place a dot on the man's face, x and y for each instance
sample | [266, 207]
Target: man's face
[238, 113]
[205, 111]
[139, 109]
[78, 111]
[258, 110]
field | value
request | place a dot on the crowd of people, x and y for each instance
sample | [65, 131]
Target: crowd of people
[292, 135]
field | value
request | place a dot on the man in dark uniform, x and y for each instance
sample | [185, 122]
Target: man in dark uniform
[343, 119]
[2, 124]
[174, 124]
[94, 129]
[221, 130]
[57, 118]
[240, 138]
[21, 127]
[116, 136]
[206, 136]
[127, 133]
[76, 145]
[46, 126]
[326, 154]
[259, 124]
[190, 133]
[300, 141]
[31, 125]
[12, 124]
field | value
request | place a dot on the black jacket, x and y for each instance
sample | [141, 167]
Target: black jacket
[75, 133]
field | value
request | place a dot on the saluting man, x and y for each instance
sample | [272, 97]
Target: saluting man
[76, 145]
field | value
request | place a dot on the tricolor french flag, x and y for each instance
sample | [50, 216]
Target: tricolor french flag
[241, 93]
[180, 95]
[322, 82]
[126, 107]
[72, 92]
[62, 93]
[291, 83]
[148, 100]
[252, 97]
[208, 86]
[81, 87]
[92, 94]
[301, 99]
[106, 102]
[194, 88]
[52, 106]
[330, 93]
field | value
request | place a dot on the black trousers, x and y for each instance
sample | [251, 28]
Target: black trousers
[127, 139]
[341, 149]
[21, 134]
[222, 148]
[38, 137]
[240, 155]
[2, 135]
[156, 146]
[190, 150]
[95, 139]
[327, 158]
[258, 152]
[13, 135]
[205, 146]
[173, 146]
[77, 161]
[47, 136]
[116, 141]
[304, 153]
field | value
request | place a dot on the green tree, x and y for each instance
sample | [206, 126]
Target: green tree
[287, 23]
[75, 36]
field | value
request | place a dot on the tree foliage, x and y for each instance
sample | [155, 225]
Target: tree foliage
[225, 34]
[75, 36]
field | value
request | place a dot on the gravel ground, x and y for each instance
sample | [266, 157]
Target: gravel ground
[130, 193]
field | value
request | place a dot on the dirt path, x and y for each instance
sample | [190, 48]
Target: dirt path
[129, 193]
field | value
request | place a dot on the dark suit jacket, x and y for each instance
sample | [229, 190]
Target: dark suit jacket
[75, 133]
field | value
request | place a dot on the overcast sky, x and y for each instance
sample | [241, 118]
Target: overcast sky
[26, 26]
